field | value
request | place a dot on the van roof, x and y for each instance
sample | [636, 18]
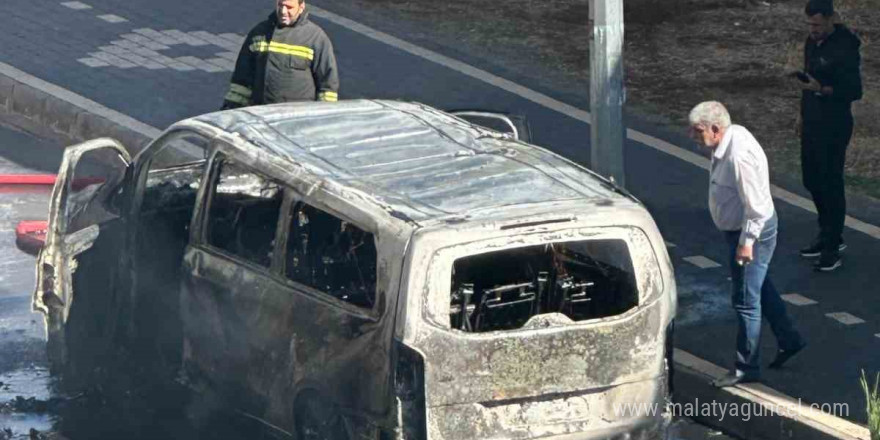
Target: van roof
[422, 163]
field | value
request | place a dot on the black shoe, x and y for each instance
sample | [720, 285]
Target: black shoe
[828, 262]
[733, 379]
[784, 355]
[813, 250]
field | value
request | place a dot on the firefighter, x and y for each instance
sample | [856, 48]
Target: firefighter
[284, 58]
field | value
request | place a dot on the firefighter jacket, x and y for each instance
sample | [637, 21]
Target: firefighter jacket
[280, 64]
[834, 62]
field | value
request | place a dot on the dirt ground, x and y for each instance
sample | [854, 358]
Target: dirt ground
[678, 53]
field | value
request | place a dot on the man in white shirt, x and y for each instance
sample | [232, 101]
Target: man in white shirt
[742, 207]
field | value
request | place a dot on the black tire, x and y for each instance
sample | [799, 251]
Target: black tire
[316, 419]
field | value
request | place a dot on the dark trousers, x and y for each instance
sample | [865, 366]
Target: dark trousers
[823, 152]
[754, 296]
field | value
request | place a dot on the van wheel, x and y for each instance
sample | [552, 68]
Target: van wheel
[317, 420]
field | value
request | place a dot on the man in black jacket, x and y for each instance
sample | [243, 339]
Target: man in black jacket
[832, 82]
[284, 58]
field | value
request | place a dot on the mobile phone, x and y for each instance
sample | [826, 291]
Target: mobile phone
[802, 76]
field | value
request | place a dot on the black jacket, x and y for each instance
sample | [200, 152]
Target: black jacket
[835, 62]
[280, 64]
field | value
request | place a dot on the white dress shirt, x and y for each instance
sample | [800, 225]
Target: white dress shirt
[739, 185]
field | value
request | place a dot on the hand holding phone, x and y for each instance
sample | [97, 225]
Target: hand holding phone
[800, 75]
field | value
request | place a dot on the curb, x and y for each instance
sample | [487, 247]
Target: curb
[774, 415]
[41, 107]
[45, 108]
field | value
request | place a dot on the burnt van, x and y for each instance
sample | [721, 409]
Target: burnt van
[366, 269]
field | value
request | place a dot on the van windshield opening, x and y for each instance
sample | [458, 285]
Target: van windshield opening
[502, 290]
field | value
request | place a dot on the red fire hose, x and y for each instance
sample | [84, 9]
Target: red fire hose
[30, 235]
[27, 179]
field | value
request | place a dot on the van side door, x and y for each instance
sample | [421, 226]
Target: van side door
[229, 293]
[78, 269]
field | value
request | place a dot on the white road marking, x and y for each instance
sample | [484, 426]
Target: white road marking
[150, 33]
[176, 35]
[93, 62]
[76, 5]
[79, 101]
[199, 64]
[149, 53]
[845, 318]
[877, 335]
[798, 300]
[155, 45]
[113, 60]
[670, 245]
[158, 37]
[110, 18]
[182, 67]
[224, 63]
[142, 61]
[193, 39]
[561, 107]
[128, 44]
[115, 49]
[141, 48]
[235, 38]
[216, 40]
[702, 262]
[137, 38]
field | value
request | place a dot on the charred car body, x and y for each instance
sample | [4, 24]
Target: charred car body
[365, 269]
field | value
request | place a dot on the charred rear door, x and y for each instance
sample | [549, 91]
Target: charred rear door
[540, 333]
[339, 280]
[77, 271]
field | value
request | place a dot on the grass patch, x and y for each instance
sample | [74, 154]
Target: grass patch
[872, 395]
[739, 55]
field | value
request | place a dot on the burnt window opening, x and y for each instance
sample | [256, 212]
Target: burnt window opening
[502, 290]
[331, 255]
[175, 174]
[184, 148]
[172, 177]
[167, 204]
[243, 214]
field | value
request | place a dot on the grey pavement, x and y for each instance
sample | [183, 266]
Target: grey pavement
[80, 53]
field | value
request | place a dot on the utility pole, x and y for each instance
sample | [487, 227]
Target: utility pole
[606, 89]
